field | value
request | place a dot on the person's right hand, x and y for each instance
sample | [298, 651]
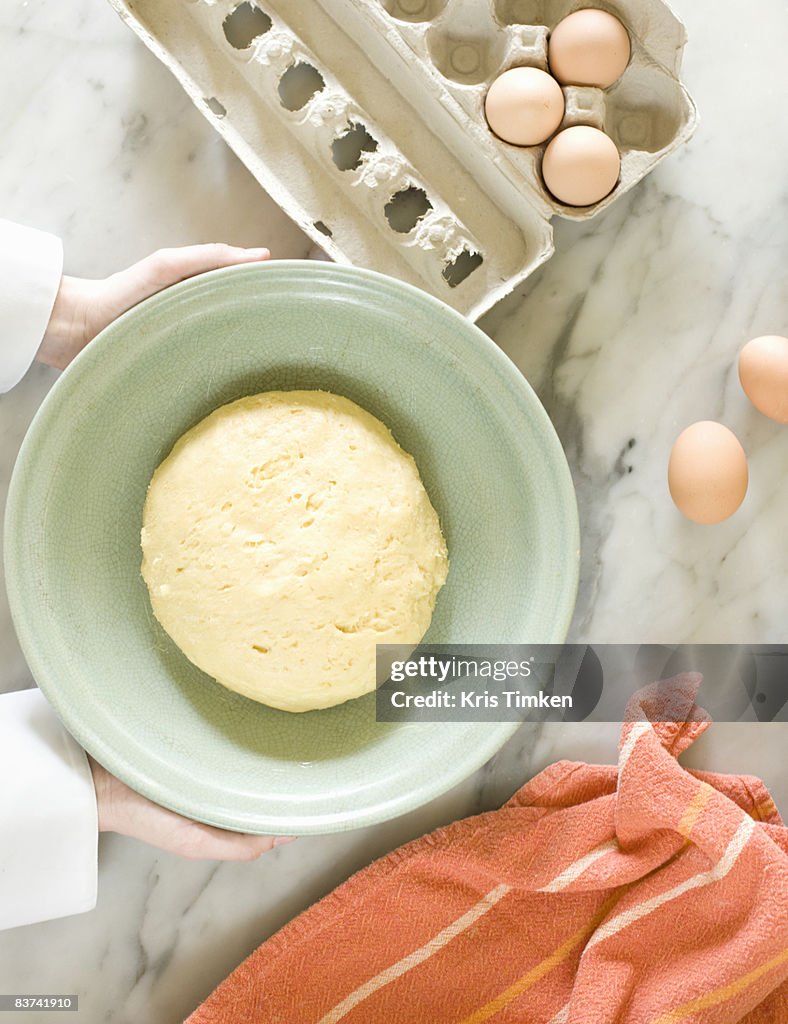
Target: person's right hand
[122, 810]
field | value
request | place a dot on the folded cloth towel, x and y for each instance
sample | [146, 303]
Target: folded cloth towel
[645, 894]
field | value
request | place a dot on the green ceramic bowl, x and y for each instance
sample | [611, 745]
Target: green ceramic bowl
[488, 456]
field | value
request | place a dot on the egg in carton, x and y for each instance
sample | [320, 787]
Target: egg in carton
[364, 120]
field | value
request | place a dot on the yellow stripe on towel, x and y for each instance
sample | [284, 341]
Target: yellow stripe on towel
[539, 971]
[764, 811]
[694, 810]
[723, 994]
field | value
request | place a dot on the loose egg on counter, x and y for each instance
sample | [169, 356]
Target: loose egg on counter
[589, 47]
[763, 372]
[524, 106]
[581, 166]
[707, 474]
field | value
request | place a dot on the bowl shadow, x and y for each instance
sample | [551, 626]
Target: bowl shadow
[303, 738]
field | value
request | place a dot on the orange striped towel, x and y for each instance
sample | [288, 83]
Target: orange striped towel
[645, 894]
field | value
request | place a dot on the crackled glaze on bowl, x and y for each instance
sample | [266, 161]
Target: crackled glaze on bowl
[489, 458]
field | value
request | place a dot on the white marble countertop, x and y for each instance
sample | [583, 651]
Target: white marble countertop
[628, 334]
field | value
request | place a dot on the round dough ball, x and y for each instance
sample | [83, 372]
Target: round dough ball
[589, 47]
[581, 166]
[524, 106]
[707, 474]
[763, 372]
[283, 538]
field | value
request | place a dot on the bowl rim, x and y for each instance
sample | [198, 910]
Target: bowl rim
[495, 735]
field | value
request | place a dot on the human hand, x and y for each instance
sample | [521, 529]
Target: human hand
[83, 307]
[122, 810]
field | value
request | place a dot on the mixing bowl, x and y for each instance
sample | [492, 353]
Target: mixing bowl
[489, 458]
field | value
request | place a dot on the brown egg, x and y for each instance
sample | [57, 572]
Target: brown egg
[763, 372]
[589, 47]
[524, 106]
[581, 166]
[707, 474]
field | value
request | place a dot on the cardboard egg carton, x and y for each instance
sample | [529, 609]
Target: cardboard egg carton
[364, 120]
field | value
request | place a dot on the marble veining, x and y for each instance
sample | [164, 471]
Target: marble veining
[628, 334]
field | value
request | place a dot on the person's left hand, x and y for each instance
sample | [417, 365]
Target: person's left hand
[121, 809]
[84, 307]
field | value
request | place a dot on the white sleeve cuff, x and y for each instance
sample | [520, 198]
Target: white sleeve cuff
[31, 266]
[48, 816]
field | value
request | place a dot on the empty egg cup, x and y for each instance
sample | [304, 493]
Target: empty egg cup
[365, 120]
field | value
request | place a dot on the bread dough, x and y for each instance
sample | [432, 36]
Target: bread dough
[283, 538]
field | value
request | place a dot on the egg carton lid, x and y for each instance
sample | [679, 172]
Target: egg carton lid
[364, 120]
